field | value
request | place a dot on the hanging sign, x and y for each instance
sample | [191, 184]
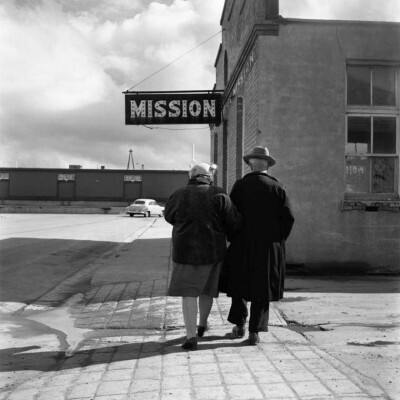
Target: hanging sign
[150, 108]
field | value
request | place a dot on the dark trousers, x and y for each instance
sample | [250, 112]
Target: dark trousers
[259, 314]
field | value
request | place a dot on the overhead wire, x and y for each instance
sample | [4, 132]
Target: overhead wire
[176, 59]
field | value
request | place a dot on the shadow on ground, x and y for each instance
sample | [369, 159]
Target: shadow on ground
[21, 359]
[342, 284]
[30, 268]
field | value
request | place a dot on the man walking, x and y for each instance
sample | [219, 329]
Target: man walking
[256, 255]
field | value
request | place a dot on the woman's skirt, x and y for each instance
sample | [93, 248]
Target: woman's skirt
[189, 280]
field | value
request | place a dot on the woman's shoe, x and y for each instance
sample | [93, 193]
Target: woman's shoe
[202, 329]
[238, 331]
[190, 344]
[253, 339]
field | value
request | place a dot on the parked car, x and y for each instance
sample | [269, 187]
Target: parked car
[145, 207]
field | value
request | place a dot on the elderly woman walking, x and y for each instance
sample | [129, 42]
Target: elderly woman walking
[202, 216]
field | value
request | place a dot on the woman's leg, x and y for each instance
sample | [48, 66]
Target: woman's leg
[205, 304]
[189, 308]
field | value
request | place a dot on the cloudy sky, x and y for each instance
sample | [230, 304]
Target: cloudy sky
[65, 63]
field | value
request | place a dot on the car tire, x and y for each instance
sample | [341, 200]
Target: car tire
[148, 213]
[131, 215]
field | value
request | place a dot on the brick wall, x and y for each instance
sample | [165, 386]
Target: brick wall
[237, 23]
[251, 131]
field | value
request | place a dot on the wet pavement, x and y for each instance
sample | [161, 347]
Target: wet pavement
[121, 338]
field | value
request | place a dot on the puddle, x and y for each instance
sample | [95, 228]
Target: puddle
[377, 343]
[60, 321]
[374, 326]
[295, 327]
[293, 299]
[17, 330]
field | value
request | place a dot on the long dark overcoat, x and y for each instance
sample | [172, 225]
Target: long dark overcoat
[256, 256]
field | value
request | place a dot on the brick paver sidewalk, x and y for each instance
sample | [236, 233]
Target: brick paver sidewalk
[133, 351]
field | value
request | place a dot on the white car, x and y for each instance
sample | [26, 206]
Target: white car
[145, 207]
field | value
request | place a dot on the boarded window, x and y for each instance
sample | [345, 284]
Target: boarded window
[383, 175]
[370, 174]
[357, 174]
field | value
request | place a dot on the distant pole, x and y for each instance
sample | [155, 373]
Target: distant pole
[193, 162]
[130, 158]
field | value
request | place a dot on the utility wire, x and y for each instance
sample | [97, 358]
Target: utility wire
[165, 66]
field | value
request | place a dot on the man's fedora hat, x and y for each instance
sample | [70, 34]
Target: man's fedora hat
[260, 152]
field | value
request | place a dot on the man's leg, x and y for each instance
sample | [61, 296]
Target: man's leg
[238, 315]
[259, 316]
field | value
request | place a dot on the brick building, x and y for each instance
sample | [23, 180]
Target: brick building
[324, 97]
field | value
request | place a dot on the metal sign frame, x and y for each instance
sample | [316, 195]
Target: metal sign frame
[176, 107]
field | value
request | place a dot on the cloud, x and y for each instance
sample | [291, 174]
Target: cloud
[48, 67]
[357, 10]
[65, 63]
[65, 69]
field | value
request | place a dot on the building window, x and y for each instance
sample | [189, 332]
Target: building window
[371, 86]
[372, 127]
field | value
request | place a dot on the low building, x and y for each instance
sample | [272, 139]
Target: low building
[323, 96]
[71, 185]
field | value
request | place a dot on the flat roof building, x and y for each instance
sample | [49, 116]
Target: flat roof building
[72, 185]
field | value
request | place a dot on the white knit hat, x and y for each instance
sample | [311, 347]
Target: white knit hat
[202, 169]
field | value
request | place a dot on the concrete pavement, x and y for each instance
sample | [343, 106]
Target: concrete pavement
[122, 340]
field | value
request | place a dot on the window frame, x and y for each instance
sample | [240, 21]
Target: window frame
[374, 111]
